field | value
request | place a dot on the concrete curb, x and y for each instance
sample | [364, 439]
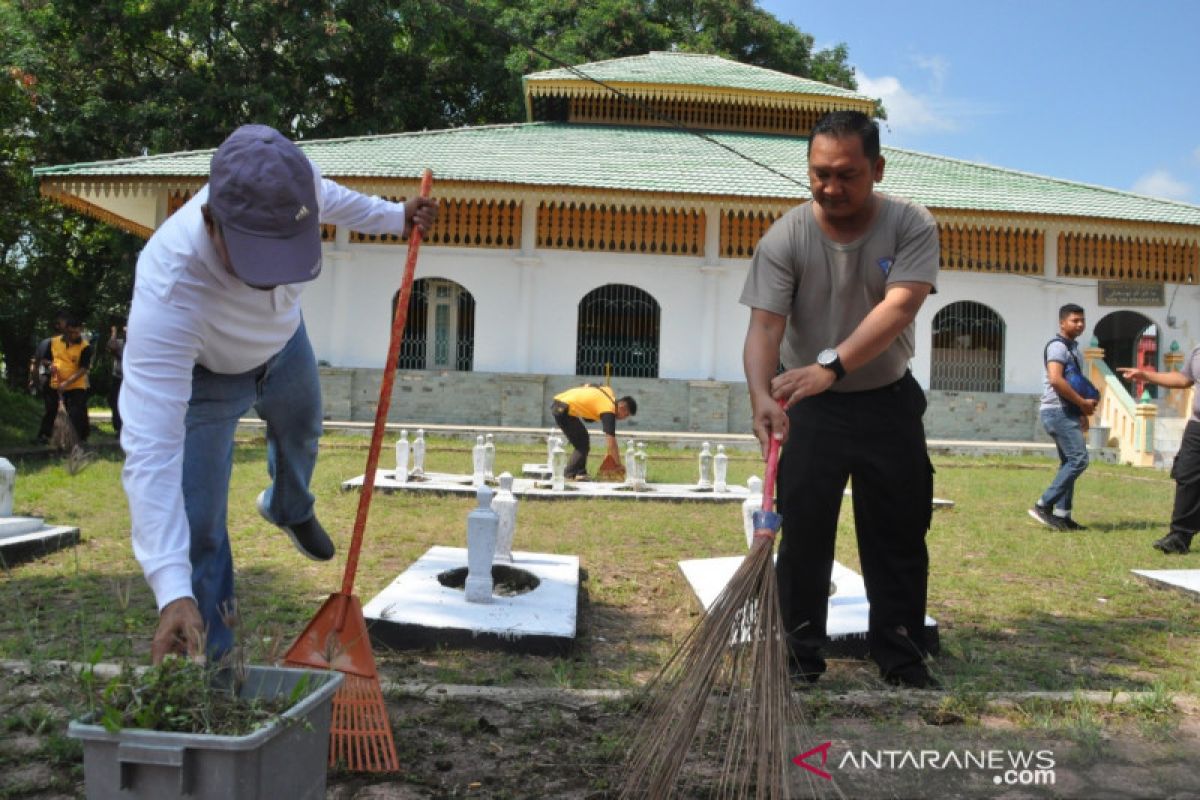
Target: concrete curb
[582, 698]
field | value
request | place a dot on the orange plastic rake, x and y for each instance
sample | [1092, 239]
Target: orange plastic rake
[360, 735]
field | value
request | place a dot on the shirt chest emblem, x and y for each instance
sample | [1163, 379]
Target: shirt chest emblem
[885, 265]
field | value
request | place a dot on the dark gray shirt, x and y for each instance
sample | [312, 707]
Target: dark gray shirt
[826, 289]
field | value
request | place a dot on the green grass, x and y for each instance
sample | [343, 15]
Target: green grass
[19, 417]
[1019, 607]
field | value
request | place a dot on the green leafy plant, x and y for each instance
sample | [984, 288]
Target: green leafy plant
[184, 695]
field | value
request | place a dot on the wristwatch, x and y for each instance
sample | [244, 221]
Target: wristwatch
[828, 358]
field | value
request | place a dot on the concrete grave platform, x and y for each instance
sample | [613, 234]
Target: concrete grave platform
[1184, 580]
[848, 607]
[25, 538]
[448, 483]
[417, 611]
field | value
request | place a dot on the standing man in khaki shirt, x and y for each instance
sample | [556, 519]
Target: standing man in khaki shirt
[833, 290]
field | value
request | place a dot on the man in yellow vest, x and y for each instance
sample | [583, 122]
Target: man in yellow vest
[590, 403]
[70, 360]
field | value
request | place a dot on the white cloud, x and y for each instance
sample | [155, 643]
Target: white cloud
[909, 113]
[1161, 183]
[937, 67]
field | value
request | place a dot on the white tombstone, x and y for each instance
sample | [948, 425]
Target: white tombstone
[750, 505]
[551, 440]
[720, 470]
[630, 464]
[639, 460]
[8, 486]
[477, 462]
[402, 451]
[558, 466]
[706, 467]
[482, 524]
[489, 458]
[505, 506]
[418, 453]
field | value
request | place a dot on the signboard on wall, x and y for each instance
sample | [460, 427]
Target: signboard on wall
[1122, 293]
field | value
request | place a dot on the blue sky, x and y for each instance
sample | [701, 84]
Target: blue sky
[1096, 91]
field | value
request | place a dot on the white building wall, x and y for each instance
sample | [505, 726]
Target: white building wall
[526, 309]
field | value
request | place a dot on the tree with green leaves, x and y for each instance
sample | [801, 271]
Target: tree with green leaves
[87, 80]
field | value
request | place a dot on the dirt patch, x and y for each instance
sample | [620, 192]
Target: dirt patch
[544, 742]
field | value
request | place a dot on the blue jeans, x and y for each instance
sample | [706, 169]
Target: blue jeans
[1067, 432]
[286, 394]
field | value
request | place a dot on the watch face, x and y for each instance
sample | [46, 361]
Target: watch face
[827, 357]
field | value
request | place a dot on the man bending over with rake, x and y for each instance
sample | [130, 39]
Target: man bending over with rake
[215, 328]
[833, 289]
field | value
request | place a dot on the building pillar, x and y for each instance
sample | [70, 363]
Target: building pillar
[1050, 250]
[712, 234]
[526, 313]
[710, 322]
[529, 212]
[343, 297]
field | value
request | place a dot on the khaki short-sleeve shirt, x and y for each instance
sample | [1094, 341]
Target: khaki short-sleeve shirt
[826, 289]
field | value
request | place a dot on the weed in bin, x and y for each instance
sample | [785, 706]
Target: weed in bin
[185, 695]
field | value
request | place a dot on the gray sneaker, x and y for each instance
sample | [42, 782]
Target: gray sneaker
[308, 536]
[1044, 516]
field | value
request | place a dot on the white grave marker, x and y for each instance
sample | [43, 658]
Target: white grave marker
[482, 524]
[720, 469]
[402, 449]
[505, 506]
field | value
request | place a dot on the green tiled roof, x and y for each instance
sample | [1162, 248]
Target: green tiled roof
[671, 161]
[694, 69]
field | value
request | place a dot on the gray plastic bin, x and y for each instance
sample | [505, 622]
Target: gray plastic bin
[286, 759]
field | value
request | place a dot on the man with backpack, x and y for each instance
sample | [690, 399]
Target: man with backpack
[1064, 412]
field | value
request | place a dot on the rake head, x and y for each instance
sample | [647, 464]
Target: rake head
[360, 736]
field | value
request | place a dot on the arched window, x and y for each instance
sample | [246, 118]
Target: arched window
[968, 349]
[439, 332]
[618, 325]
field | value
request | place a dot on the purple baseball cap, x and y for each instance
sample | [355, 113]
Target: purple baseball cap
[262, 192]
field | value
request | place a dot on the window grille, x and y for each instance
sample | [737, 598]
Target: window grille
[441, 337]
[968, 349]
[618, 324]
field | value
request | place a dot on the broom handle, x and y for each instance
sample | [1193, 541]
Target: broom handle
[768, 501]
[385, 399]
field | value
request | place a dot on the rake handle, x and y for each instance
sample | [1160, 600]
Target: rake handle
[385, 400]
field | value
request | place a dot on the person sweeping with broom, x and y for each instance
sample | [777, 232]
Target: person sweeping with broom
[215, 328]
[833, 289]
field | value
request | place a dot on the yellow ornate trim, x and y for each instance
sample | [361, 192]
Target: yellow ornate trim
[96, 212]
[575, 88]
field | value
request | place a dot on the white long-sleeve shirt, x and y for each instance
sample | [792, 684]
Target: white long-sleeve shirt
[187, 310]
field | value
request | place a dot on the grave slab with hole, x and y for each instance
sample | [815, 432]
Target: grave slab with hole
[848, 607]
[1183, 580]
[533, 609]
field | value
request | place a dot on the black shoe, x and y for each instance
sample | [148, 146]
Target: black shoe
[308, 536]
[1071, 525]
[914, 677]
[1173, 544]
[1043, 515]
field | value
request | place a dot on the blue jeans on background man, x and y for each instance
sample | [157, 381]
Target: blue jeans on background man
[286, 394]
[1067, 432]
